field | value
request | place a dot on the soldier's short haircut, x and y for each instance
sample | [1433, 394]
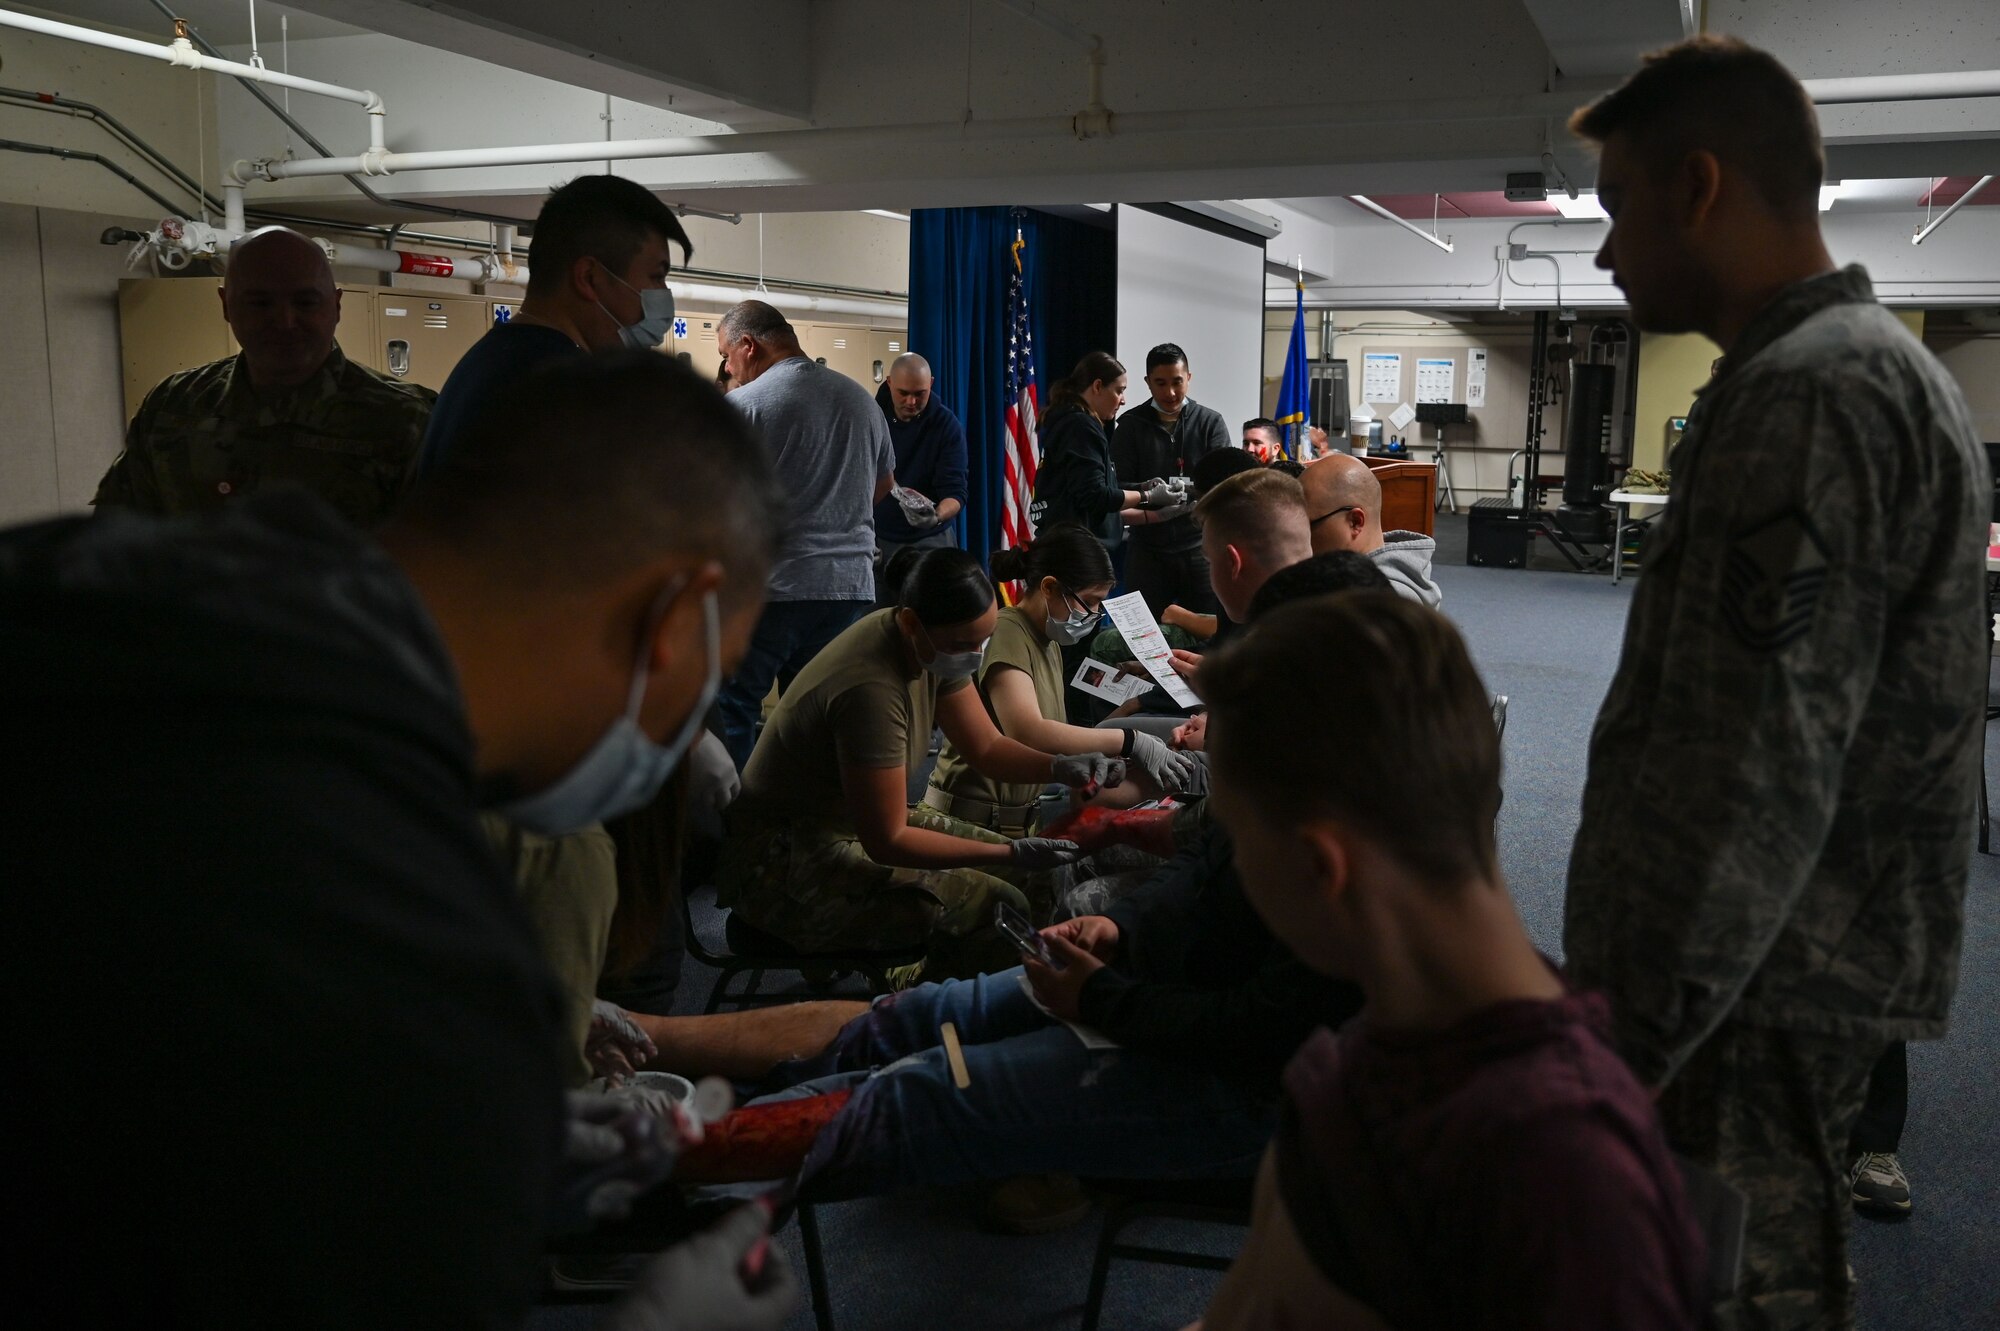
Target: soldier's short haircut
[606, 218]
[1723, 96]
[759, 320]
[593, 465]
[1167, 354]
[1252, 509]
[1409, 758]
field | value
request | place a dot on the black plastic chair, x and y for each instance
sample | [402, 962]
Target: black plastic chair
[1128, 1201]
[750, 950]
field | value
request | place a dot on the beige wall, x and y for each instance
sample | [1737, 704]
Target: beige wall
[1672, 369]
[152, 98]
[62, 415]
[1974, 361]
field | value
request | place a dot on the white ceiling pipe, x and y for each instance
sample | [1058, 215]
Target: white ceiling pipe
[1904, 87]
[181, 52]
[1944, 216]
[1415, 230]
[497, 268]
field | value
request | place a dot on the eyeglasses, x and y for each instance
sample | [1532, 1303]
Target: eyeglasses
[1348, 508]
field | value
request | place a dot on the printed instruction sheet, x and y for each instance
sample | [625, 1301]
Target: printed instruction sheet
[1381, 376]
[1108, 682]
[1475, 377]
[1135, 623]
[1437, 377]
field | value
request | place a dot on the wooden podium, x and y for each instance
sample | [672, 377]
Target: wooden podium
[1409, 494]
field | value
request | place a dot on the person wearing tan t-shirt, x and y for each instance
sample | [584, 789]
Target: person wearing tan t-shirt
[824, 850]
[1067, 574]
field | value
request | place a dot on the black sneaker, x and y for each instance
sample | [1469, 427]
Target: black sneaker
[1879, 1186]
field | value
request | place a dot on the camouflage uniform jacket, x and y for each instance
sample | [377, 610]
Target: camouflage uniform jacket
[204, 437]
[1777, 824]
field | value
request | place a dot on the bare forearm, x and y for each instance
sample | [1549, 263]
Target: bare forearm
[1004, 759]
[744, 1045]
[948, 509]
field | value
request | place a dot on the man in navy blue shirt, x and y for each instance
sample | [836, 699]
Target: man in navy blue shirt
[597, 280]
[930, 461]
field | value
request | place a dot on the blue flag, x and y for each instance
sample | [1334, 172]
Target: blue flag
[1294, 405]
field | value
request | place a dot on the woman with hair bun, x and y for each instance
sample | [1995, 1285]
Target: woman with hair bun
[1067, 573]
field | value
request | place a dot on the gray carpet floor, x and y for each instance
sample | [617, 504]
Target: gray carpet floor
[1550, 641]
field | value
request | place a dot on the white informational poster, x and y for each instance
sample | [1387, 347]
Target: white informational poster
[1400, 418]
[1135, 623]
[1437, 379]
[1381, 376]
[1475, 377]
[1108, 682]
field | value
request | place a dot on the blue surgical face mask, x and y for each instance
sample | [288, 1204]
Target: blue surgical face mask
[951, 665]
[656, 316]
[624, 769]
[1073, 627]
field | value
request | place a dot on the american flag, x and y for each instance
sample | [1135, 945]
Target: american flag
[1024, 452]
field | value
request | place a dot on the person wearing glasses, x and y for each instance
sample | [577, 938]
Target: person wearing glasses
[1067, 572]
[1344, 505]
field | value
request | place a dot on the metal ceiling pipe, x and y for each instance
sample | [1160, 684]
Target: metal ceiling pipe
[181, 52]
[1945, 216]
[1904, 87]
[1387, 216]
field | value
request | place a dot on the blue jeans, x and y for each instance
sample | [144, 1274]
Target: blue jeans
[788, 634]
[1039, 1101]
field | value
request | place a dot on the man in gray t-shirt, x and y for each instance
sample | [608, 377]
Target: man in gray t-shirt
[834, 459]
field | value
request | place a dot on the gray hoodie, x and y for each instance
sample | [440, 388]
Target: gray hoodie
[1405, 558]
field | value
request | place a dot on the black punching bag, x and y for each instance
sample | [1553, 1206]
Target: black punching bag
[1586, 459]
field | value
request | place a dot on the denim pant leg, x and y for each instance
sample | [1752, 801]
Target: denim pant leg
[983, 1009]
[1038, 1102]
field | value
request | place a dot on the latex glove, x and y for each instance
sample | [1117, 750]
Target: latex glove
[1040, 852]
[1088, 772]
[1156, 493]
[918, 510]
[699, 1285]
[612, 1152]
[1167, 770]
[615, 1047]
[713, 785]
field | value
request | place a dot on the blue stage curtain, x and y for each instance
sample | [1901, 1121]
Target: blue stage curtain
[958, 310]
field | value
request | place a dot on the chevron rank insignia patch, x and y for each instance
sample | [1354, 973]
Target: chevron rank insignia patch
[1771, 582]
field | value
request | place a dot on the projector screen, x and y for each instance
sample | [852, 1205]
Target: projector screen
[1203, 291]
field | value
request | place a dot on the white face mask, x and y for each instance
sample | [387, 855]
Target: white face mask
[951, 665]
[625, 769]
[1074, 627]
[656, 315]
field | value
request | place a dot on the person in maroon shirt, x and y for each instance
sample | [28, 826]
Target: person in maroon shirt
[1469, 1151]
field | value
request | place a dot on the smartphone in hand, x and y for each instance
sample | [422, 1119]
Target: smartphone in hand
[1016, 928]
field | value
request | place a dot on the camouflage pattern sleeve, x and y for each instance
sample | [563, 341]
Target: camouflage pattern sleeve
[130, 481]
[1756, 633]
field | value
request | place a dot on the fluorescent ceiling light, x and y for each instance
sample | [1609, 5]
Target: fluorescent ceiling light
[1583, 206]
[884, 212]
[1828, 193]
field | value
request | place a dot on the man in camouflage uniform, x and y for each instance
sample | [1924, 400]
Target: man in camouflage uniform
[1769, 877]
[289, 409]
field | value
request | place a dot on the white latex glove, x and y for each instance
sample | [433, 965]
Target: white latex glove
[612, 1152]
[699, 1285]
[1040, 852]
[918, 510]
[1167, 770]
[1088, 772]
[1156, 493]
[713, 785]
[615, 1047]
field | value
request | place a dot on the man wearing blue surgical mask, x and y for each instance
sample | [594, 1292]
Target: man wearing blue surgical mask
[597, 280]
[344, 1026]
[598, 267]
